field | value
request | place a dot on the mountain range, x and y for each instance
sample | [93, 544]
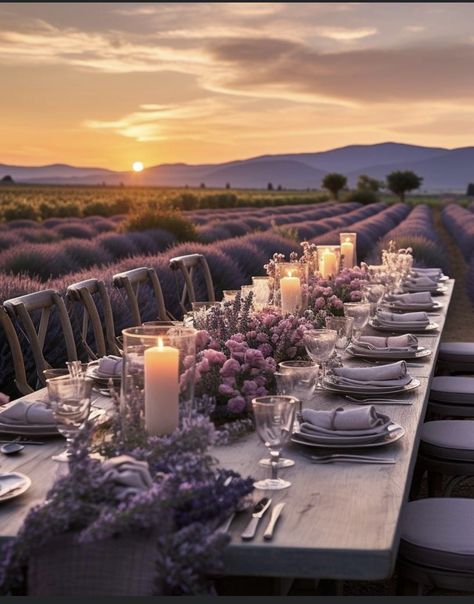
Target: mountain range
[443, 170]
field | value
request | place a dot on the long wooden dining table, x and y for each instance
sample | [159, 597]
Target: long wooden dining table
[340, 521]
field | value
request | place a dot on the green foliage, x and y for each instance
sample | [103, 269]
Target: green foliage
[364, 196]
[400, 182]
[334, 183]
[172, 221]
[366, 183]
[50, 209]
[470, 189]
[19, 211]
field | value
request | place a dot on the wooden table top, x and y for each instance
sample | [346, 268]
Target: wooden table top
[341, 521]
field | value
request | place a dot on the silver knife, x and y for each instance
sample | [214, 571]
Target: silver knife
[258, 511]
[268, 534]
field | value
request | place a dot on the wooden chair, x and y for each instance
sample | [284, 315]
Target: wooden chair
[131, 281]
[187, 265]
[21, 310]
[21, 380]
[85, 294]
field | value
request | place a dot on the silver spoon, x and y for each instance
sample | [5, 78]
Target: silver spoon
[11, 448]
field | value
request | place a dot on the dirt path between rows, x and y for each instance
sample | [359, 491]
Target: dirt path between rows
[459, 324]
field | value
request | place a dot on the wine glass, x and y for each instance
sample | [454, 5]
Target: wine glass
[70, 401]
[320, 345]
[274, 417]
[298, 379]
[360, 312]
[343, 326]
[373, 293]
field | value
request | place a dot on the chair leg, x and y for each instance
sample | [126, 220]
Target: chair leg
[407, 587]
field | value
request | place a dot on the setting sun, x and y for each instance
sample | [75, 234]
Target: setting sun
[137, 166]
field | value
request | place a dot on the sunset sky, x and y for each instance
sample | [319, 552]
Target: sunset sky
[108, 84]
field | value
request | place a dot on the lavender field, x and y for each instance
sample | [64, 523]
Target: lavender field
[237, 242]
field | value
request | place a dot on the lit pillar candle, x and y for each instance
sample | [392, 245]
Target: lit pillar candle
[347, 250]
[161, 389]
[290, 290]
[329, 264]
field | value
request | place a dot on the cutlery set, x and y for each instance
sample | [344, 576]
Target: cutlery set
[374, 399]
[349, 457]
[257, 514]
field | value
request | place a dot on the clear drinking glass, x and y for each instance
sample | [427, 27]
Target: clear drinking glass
[70, 402]
[320, 345]
[373, 293]
[229, 295]
[298, 379]
[261, 292]
[343, 326]
[274, 417]
[360, 312]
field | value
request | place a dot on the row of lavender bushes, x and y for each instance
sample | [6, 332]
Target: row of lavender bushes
[459, 222]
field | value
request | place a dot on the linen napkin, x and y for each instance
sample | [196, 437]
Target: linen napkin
[383, 376]
[110, 366]
[128, 475]
[25, 413]
[362, 421]
[424, 283]
[407, 319]
[433, 273]
[410, 299]
[406, 342]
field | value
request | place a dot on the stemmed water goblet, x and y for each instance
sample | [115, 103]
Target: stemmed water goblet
[373, 293]
[320, 345]
[360, 312]
[274, 417]
[69, 399]
[344, 327]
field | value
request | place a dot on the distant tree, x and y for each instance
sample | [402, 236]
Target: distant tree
[270, 186]
[470, 189]
[7, 179]
[227, 185]
[366, 183]
[202, 185]
[334, 183]
[279, 188]
[401, 182]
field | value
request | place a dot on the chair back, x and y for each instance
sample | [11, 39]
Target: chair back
[131, 281]
[21, 380]
[85, 293]
[188, 266]
[21, 309]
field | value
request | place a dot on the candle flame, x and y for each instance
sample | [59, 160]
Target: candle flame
[160, 343]
[290, 273]
[348, 240]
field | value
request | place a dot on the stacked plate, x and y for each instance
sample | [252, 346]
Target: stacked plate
[100, 378]
[331, 383]
[391, 355]
[391, 433]
[402, 327]
[412, 307]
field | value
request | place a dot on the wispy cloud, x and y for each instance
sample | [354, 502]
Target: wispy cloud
[343, 34]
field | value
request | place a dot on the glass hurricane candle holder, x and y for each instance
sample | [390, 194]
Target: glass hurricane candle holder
[291, 282]
[229, 295]
[261, 292]
[348, 249]
[360, 312]
[158, 376]
[329, 260]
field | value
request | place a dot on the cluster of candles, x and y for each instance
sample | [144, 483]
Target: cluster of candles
[161, 362]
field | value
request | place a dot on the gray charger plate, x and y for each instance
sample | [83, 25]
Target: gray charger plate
[394, 433]
[408, 328]
[391, 355]
[362, 389]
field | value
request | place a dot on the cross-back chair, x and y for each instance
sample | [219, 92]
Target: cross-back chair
[85, 294]
[21, 310]
[131, 282]
[188, 266]
[21, 380]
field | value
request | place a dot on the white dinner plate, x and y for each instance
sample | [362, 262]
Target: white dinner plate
[19, 490]
[407, 328]
[95, 374]
[331, 386]
[394, 433]
[441, 289]
[395, 355]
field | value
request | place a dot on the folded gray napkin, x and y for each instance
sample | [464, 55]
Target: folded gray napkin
[408, 319]
[434, 273]
[128, 475]
[409, 299]
[424, 283]
[361, 421]
[406, 342]
[110, 365]
[28, 413]
[392, 374]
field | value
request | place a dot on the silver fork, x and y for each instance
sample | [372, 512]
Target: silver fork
[388, 401]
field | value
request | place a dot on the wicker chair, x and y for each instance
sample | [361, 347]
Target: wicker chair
[188, 265]
[21, 380]
[21, 310]
[131, 281]
[85, 293]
